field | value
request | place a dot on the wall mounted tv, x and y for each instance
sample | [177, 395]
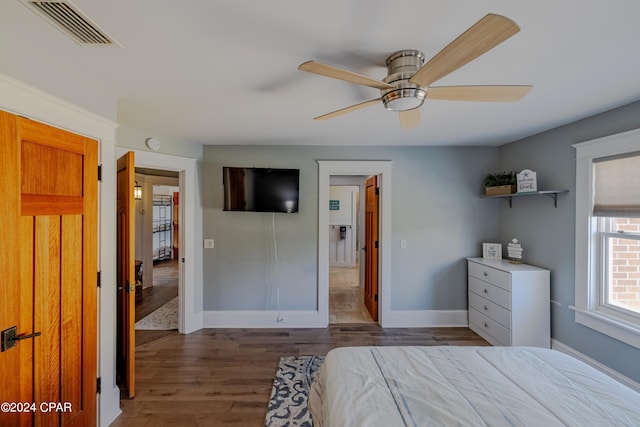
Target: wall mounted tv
[260, 189]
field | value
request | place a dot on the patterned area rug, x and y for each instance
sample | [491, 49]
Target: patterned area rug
[163, 319]
[288, 403]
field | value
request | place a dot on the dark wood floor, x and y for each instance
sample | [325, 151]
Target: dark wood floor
[164, 289]
[223, 377]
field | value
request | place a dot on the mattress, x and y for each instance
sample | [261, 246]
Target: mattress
[466, 386]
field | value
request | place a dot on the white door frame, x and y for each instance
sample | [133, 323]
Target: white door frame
[382, 168]
[189, 319]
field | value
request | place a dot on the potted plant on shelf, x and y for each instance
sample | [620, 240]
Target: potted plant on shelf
[500, 183]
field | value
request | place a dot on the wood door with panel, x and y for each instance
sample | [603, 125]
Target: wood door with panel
[371, 247]
[125, 275]
[48, 315]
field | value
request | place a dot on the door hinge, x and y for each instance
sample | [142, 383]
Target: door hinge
[99, 385]
[376, 244]
[375, 297]
[99, 279]
[377, 191]
[99, 172]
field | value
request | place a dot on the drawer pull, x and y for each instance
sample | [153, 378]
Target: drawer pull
[486, 308]
[486, 291]
[485, 274]
[485, 325]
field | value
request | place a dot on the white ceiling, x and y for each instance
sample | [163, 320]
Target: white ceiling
[225, 72]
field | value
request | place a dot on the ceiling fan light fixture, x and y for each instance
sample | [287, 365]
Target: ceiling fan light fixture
[401, 66]
[403, 99]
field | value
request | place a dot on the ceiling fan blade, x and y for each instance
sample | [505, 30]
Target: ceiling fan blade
[478, 93]
[409, 118]
[481, 37]
[341, 74]
[347, 109]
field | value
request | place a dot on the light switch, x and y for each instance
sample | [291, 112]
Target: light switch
[208, 244]
[403, 244]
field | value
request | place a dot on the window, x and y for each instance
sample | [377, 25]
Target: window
[619, 253]
[608, 236]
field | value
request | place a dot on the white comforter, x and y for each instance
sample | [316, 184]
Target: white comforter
[466, 386]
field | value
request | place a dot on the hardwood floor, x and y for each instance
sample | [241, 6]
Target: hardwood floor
[164, 289]
[223, 377]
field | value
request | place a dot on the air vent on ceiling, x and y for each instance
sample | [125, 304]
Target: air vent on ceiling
[66, 16]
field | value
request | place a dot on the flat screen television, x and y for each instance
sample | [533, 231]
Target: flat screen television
[261, 189]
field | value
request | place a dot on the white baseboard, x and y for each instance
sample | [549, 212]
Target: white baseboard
[109, 406]
[313, 319]
[557, 345]
[426, 319]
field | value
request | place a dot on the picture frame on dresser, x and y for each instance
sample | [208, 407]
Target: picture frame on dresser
[492, 250]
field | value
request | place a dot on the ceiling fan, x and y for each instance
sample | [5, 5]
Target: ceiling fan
[409, 79]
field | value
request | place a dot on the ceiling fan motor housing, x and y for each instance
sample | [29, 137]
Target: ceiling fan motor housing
[401, 66]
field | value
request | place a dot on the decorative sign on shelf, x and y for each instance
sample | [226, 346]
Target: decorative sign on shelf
[491, 251]
[334, 205]
[527, 181]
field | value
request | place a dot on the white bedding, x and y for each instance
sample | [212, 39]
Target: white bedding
[466, 386]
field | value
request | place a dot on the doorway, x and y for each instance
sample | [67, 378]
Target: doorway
[381, 169]
[190, 316]
[346, 290]
[157, 249]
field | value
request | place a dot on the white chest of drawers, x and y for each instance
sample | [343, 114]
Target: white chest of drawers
[509, 304]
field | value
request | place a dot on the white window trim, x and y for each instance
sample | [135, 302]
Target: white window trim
[586, 306]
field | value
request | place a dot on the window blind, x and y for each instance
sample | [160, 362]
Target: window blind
[616, 191]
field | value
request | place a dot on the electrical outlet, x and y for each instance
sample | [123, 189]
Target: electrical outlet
[209, 244]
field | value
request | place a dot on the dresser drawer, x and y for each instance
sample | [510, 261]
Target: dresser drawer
[490, 309]
[490, 292]
[500, 278]
[480, 322]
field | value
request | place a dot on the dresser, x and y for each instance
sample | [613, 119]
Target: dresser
[509, 304]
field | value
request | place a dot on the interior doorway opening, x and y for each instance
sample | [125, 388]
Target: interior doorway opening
[346, 219]
[382, 170]
[157, 249]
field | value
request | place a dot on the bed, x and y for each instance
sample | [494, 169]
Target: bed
[466, 386]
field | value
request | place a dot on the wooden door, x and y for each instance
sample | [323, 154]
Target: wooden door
[48, 274]
[371, 247]
[125, 276]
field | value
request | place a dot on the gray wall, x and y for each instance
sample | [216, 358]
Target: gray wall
[135, 139]
[548, 235]
[436, 208]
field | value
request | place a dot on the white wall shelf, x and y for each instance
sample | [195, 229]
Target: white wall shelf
[550, 193]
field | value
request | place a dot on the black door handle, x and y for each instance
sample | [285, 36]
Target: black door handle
[25, 337]
[10, 337]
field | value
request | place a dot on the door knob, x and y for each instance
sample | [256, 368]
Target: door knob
[10, 337]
